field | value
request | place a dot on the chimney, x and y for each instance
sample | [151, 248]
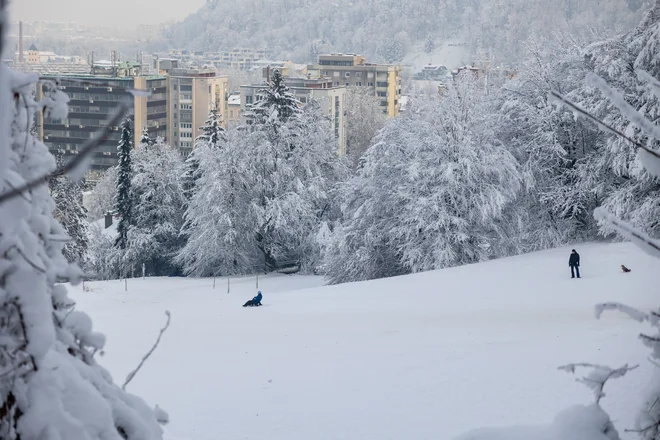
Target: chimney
[108, 220]
[20, 42]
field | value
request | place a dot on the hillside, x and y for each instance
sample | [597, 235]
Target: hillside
[423, 356]
[388, 30]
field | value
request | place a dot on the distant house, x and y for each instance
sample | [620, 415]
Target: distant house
[432, 72]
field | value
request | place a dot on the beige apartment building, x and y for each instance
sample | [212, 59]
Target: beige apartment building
[352, 70]
[192, 95]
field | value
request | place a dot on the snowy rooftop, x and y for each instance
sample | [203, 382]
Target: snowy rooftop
[234, 100]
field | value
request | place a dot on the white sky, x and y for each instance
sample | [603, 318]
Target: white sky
[103, 12]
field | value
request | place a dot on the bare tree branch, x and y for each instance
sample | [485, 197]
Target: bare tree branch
[132, 374]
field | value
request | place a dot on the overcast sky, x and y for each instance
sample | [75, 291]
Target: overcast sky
[103, 12]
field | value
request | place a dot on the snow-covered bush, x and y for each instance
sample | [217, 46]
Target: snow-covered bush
[102, 197]
[51, 386]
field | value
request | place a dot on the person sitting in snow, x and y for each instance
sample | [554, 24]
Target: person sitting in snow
[625, 269]
[574, 263]
[256, 301]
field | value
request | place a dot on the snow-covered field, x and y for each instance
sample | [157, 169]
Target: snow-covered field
[427, 356]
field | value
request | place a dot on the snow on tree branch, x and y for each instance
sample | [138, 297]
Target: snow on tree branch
[643, 241]
[598, 376]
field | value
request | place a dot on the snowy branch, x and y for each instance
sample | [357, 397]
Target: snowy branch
[598, 376]
[646, 243]
[558, 97]
[132, 374]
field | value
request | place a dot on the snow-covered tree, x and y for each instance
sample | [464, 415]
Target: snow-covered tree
[614, 172]
[213, 135]
[145, 139]
[550, 144]
[275, 105]
[102, 197]
[428, 193]
[364, 118]
[70, 213]
[51, 385]
[123, 198]
[157, 210]
[263, 195]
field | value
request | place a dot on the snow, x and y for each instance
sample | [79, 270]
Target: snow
[425, 356]
[110, 232]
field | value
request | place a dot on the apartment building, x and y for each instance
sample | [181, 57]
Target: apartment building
[352, 70]
[93, 100]
[193, 94]
[239, 58]
[331, 98]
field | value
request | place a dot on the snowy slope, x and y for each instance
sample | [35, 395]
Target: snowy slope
[426, 356]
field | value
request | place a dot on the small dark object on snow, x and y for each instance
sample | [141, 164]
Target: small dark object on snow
[254, 302]
[574, 263]
[625, 269]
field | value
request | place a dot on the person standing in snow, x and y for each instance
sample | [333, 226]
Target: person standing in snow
[574, 263]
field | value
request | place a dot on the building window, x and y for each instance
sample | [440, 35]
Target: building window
[347, 74]
[358, 74]
[348, 84]
[370, 74]
[370, 84]
[358, 83]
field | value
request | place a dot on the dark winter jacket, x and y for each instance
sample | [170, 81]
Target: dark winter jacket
[257, 298]
[574, 260]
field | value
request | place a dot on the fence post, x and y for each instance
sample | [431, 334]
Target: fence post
[125, 284]
[227, 285]
[143, 271]
[214, 281]
[257, 280]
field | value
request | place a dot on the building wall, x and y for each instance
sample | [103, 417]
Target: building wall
[93, 100]
[33, 57]
[353, 70]
[191, 100]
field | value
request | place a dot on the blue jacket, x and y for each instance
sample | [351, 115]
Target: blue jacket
[258, 297]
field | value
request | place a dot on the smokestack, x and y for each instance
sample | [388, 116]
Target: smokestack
[20, 41]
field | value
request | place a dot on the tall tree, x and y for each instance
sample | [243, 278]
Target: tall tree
[70, 213]
[157, 211]
[103, 194]
[429, 191]
[123, 198]
[364, 118]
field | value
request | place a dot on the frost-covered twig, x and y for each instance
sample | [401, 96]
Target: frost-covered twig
[77, 161]
[598, 376]
[558, 97]
[132, 374]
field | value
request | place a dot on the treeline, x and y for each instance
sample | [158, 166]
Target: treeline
[387, 30]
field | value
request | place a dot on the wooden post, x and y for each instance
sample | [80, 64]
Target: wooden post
[227, 285]
[125, 284]
[214, 281]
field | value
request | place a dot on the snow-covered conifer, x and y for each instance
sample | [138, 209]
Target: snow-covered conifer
[123, 198]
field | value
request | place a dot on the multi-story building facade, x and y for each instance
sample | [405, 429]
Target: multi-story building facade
[193, 94]
[330, 97]
[239, 58]
[93, 100]
[352, 70]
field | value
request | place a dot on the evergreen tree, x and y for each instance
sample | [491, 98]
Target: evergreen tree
[145, 140]
[275, 104]
[123, 198]
[71, 214]
[213, 135]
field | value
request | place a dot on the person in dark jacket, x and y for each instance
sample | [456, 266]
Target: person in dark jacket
[574, 263]
[256, 301]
